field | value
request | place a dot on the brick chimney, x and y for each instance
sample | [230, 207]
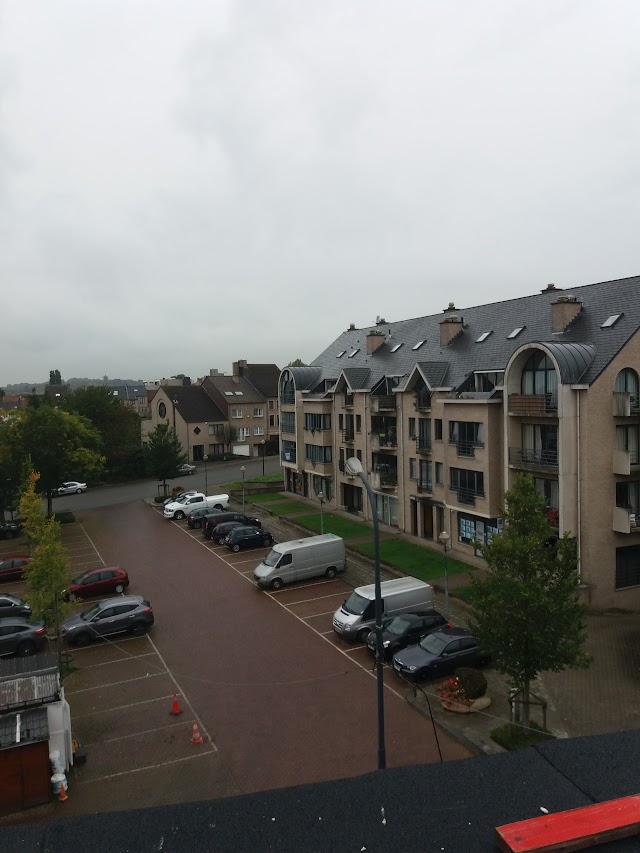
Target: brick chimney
[564, 311]
[451, 325]
[375, 339]
[239, 367]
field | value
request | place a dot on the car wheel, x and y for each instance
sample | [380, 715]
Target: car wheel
[221, 540]
[276, 583]
[363, 633]
[236, 548]
[218, 507]
[138, 629]
[179, 515]
[197, 524]
[331, 572]
[25, 649]
[78, 491]
[82, 639]
[267, 540]
[119, 587]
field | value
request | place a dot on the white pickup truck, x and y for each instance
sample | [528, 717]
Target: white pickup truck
[181, 509]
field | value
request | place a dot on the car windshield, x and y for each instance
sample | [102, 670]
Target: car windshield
[433, 643]
[398, 626]
[91, 612]
[13, 599]
[356, 604]
[272, 558]
[80, 578]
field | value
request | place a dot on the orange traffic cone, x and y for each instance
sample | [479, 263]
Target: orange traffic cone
[62, 796]
[196, 737]
[176, 710]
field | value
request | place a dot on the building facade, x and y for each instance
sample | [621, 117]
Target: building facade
[444, 411]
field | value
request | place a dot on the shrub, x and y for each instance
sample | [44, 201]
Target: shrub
[452, 691]
[177, 489]
[473, 682]
[512, 737]
[64, 517]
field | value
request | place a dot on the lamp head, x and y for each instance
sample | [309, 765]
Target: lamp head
[353, 466]
[444, 538]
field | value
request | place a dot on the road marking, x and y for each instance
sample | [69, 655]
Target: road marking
[118, 683]
[123, 707]
[117, 660]
[316, 615]
[149, 766]
[317, 598]
[316, 583]
[145, 732]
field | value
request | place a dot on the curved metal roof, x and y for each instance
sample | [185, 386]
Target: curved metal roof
[305, 377]
[573, 359]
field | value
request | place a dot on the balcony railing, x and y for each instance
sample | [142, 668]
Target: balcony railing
[288, 455]
[423, 402]
[467, 448]
[383, 403]
[533, 405]
[384, 479]
[423, 445]
[378, 442]
[626, 520]
[348, 436]
[625, 404]
[525, 457]
[424, 486]
[467, 496]
[287, 398]
[348, 401]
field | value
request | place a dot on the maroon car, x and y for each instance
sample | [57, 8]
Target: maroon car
[11, 567]
[100, 581]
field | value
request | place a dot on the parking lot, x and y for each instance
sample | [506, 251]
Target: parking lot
[278, 697]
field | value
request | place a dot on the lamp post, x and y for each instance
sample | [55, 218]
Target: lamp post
[353, 467]
[264, 447]
[242, 471]
[206, 481]
[175, 403]
[321, 499]
[444, 539]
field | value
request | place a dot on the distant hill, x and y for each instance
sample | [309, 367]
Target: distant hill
[74, 382]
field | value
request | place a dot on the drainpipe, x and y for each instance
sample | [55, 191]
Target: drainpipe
[579, 507]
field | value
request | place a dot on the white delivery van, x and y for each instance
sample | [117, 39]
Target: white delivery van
[182, 509]
[301, 559]
[357, 616]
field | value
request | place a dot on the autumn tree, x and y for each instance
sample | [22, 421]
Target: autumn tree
[164, 454]
[526, 612]
[227, 435]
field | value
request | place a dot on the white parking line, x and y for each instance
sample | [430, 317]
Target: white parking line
[117, 660]
[316, 615]
[118, 683]
[145, 732]
[317, 598]
[315, 583]
[149, 767]
[123, 707]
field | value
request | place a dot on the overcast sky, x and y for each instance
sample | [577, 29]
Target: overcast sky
[184, 183]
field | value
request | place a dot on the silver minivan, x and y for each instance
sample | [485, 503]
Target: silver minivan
[355, 618]
[301, 559]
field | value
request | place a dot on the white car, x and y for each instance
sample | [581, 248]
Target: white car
[186, 469]
[182, 509]
[72, 488]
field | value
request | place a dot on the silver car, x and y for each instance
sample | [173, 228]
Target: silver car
[72, 488]
[131, 614]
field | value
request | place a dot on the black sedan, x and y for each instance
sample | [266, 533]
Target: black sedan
[212, 519]
[406, 630]
[20, 637]
[9, 529]
[439, 653]
[247, 537]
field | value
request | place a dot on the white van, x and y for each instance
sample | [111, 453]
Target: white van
[197, 500]
[301, 559]
[357, 616]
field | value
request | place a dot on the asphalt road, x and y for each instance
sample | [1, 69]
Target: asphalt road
[282, 703]
[217, 473]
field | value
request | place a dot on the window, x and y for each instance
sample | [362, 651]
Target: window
[476, 531]
[162, 410]
[243, 433]
[413, 470]
[288, 422]
[628, 495]
[539, 377]
[353, 352]
[627, 438]
[258, 412]
[417, 346]
[229, 393]
[438, 429]
[340, 422]
[313, 421]
[272, 420]
[627, 566]
[316, 453]
[540, 444]
[258, 430]
[412, 427]
[236, 413]
[516, 332]
[611, 321]
[487, 380]
[549, 490]
[627, 381]
[341, 353]
[466, 436]
[396, 348]
[468, 484]
[483, 337]
[439, 474]
[358, 423]
[271, 404]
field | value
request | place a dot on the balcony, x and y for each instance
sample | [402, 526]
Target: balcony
[424, 486]
[384, 480]
[467, 448]
[383, 442]
[625, 404]
[533, 460]
[625, 520]
[466, 496]
[348, 401]
[423, 445]
[422, 402]
[383, 403]
[348, 436]
[288, 456]
[533, 405]
[625, 461]
[318, 466]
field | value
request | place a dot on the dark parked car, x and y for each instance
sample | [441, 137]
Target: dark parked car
[11, 567]
[212, 519]
[196, 516]
[97, 582]
[220, 532]
[20, 637]
[11, 605]
[9, 529]
[439, 653]
[406, 630]
[247, 537]
[130, 614]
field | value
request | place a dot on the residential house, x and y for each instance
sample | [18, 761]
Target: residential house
[445, 410]
[192, 414]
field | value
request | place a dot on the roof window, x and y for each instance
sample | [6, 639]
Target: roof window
[239, 393]
[483, 337]
[351, 354]
[611, 321]
[396, 347]
[516, 332]
[341, 353]
[417, 346]
[229, 393]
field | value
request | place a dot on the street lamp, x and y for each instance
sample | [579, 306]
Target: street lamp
[175, 403]
[321, 499]
[444, 538]
[353, 467]
[263, 443]
[242, 471]
[206, 481]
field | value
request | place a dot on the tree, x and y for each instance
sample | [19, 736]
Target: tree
[31, 511]
[54, 377]
[61, 446]
[164, 453]
[298, 362]
[227, 436]
[526, 612]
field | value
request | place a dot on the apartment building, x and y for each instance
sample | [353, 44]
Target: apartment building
[444, 411]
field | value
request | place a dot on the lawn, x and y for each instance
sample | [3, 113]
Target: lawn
[344, 527]
[265, 497]
[286, 507]
[413, 559]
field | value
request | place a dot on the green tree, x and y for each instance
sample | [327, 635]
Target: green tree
[31, 511]
[298, 362]
[61, 446]
[54, 377]
[227, 435]
[526, 611]
[164, 454]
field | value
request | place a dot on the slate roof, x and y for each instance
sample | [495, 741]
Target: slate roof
[194, 404]
[32, 727]
[589, 343]
[453, 807]
[264, 377]
[250, 394]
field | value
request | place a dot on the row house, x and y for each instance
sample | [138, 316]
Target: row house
[444, 411]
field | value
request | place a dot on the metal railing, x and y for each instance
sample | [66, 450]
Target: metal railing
[348, 436]
[423, 445]
[466, 448]
[422, 402]
[424, 486]
[382, 402]
[467, 496]
[528, 457]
